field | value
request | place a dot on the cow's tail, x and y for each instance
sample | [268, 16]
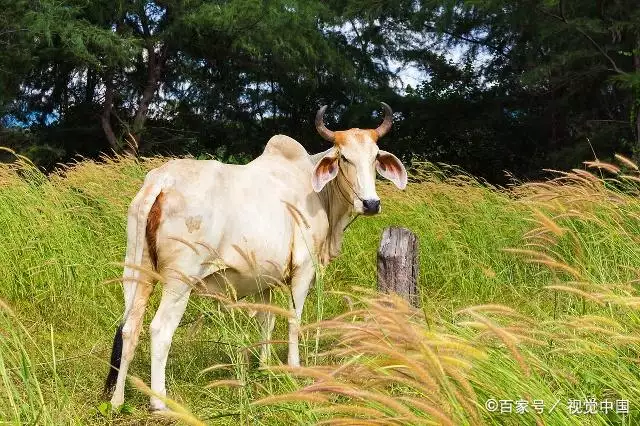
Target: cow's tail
[137, 217]
[116, 355]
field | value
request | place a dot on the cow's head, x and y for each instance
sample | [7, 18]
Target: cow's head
[354, 158]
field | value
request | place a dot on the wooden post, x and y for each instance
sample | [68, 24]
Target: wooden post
[398, 263]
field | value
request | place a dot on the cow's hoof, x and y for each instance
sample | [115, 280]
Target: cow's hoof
[158, 407]
[116, 404]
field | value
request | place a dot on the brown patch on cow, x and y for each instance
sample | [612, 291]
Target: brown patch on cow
[342, 137]
[193, 223]
[153, 222]
[374, 135]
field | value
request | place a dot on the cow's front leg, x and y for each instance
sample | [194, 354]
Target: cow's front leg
[300, 284]
[267, 321]
[175, 295]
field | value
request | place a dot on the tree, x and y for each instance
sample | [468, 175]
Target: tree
[515, 86]
[198, 57]
[575, 61]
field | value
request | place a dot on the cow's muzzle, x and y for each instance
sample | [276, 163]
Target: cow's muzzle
[370, 207]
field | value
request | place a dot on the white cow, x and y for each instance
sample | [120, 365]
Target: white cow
[205, 226]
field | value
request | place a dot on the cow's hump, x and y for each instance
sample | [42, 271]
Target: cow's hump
[284, 146]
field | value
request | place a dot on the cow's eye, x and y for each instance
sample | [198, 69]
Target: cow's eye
[346, 160]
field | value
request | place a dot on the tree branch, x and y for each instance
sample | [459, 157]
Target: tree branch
[145, 23]
[13, 31]
[363, 45]
[467, 39]
[562, 18]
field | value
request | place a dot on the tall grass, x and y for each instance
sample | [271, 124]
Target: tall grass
[527, 292]
[392, 364]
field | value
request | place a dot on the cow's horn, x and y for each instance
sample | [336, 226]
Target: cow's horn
[387, 122]
[322, 129]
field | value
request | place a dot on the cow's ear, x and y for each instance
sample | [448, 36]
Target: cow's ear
[325, 170]
[391, 168]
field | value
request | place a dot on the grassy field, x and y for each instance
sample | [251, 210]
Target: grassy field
[528, 292]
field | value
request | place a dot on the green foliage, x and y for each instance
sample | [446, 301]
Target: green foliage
[504, 85]
[65, 30]
[14, 50]
[577, 61]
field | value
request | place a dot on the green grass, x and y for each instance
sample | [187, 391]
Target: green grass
[64, 238]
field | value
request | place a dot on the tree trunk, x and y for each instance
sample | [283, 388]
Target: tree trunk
[105, 118]
[90, 88]
[155, 67]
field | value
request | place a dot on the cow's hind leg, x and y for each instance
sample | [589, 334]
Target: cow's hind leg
[175, 295]
[136, 296]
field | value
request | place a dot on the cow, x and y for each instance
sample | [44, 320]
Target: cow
[203, 226]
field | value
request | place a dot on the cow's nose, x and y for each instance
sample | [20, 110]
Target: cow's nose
[371, 206]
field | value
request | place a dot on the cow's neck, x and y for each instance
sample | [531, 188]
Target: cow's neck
[335, 198]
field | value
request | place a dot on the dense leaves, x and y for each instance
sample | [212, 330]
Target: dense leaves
[496, 85]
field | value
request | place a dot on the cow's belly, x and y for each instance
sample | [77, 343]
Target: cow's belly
[246, 266]
[235, 285]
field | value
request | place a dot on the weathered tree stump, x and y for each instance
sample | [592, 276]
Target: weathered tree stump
[398, 263]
